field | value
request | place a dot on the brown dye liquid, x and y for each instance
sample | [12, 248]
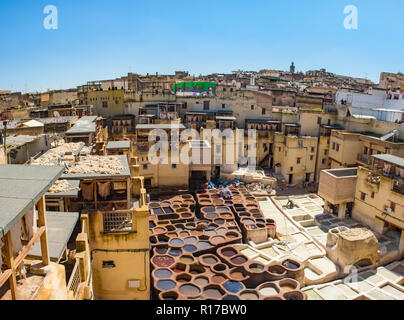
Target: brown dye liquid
[239, 260]
[163, 261]
[229, 252]
[218, 279]
[237, 275]
[209, 260]
[201, 281]
[186, 259]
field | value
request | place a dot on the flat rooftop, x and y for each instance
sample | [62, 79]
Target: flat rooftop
[60, 226]
[345, 172]
[83, 125]
[21, 187]
[390, 159]
[118, 145]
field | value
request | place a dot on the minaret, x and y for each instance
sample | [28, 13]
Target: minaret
[292, 68]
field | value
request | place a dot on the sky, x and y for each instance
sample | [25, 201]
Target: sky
[106, 39]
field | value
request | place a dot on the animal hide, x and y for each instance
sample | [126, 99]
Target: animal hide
[87, 191]
[104, 189]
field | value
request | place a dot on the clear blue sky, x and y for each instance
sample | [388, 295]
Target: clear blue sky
[103, 39]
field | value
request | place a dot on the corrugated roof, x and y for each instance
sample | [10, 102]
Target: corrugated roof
[59, 226]
[390, 159]
[21, 187]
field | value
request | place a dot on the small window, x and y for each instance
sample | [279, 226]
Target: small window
[252, 107]
[323, 161]
[263, 111]
[337, 147]
[373, 195]
[108, 264]
[185, 105]
[365, 150]
[224, 89]
[325, 152]
[291, 168]
[105, 104]
[363, 196]
[333, 146]
[279, 149]
[145, 167]
[311, 157]
[174, 166]
[223, 106]
[231, 89]
[298, 160]
[312, 149]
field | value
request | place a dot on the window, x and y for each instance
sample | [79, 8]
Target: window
[325, 152]
[311, 157]
[231, 89]
[291, 168]
[224, 89]
[337, 147]
[365, 150]
[223, 106]
[105, 104]
[323, 161]
[145, 167]
[373, 195]
[363, 196]
[263, 111]
[206, 105]
[174, 166]
[185, 105]
[298, 160]
[252, 107]
[108, 264]
[279, 149]
[312, 149]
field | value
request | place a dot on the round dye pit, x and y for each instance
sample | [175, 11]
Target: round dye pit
[221, 230]
[212, 215]
[190, 290]
[219, 221]
[203, 245]
[256, 267]
[217, 239]
[249, 296]
[176, 242]
[218, 279]
[229, 252]
[220, 267]
[201, 281]
[233, 286]
[165, 284]
[239, 260]
[291, 265]
[268, 291]
[175, 252]
[187, 259]
[277, 270]
[237, 275]
[190, 240]
[163, 273]
[210, 233]
[212, 293]
[163, 261]
[161, 250]
[190, 248]
[209, 260]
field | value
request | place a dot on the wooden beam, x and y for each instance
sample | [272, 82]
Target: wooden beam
[28, 247]
[4, 276]
[10, 264]
[44, 236]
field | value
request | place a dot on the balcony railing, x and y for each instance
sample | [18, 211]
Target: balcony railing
[364, 159]
[75, 279]
[398, 187]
